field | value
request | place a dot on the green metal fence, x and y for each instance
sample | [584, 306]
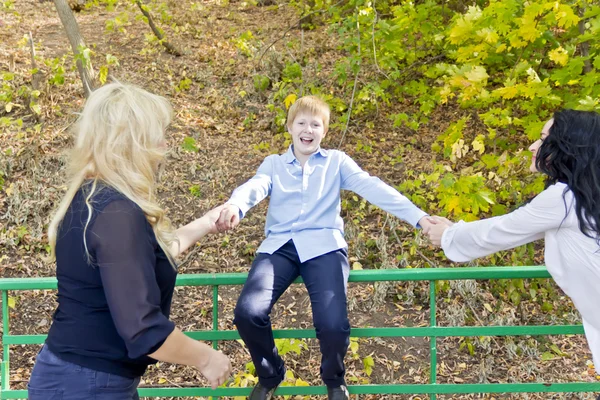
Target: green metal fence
[432, 332]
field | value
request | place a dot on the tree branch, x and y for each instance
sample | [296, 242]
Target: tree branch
[295, 24]
[353, 90]
[157, 32]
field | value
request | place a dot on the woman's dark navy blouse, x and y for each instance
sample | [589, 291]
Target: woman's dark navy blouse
[114, 310]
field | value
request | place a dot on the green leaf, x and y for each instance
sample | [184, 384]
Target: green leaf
[189, 144]
[35, 108]
[548, 356]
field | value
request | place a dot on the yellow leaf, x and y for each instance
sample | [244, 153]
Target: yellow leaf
[487, 307]
[528, 31]
[459, 149]
[478, 144]
[461, 30]
[12, 302]
[507, 92]
[559, 55]
[162, 381]
[565, 16]
[489, 35]
[453, 204]
[357, 266]
[532, 75]
[289, 100]
[477, 74]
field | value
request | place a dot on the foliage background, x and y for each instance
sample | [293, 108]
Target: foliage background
[439, 98]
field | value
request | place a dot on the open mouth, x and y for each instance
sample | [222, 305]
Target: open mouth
[306, 141]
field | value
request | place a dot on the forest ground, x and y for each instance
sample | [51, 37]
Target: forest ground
[232, 131]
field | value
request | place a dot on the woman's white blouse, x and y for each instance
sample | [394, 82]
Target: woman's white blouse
[572, 258]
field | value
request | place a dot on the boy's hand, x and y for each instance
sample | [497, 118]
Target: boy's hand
[211, 218]
[436, 231]
[229, 218]
[426, 223]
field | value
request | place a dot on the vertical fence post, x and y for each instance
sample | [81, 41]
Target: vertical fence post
[5, 370]
[432, 339]
[215, 319]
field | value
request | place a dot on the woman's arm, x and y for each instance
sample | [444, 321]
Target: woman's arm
[191, 233]
[467, 241]
[180, 349]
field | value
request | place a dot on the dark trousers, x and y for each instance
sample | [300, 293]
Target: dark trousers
[55, 379]
[326, 279]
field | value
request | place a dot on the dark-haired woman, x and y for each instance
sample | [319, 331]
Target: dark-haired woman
[566, 214]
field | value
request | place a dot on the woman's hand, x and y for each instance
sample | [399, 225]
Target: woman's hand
[437, 228]
[426, 223]
[211, 218]
[229, 218]
[215, 367]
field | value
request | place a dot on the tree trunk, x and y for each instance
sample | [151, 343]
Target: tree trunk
[585, 46]
[86, 72]
[170, 48]
[35, 79]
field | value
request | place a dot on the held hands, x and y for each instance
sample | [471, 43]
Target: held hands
[229, 217]
[221, 218]
[434, 228]
[211, 218]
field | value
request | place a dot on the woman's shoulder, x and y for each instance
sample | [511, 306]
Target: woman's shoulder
[556, 199]
[105, 197]
[558, 190]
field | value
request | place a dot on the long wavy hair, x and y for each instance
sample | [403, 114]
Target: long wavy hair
[119, 142]
[571, 154]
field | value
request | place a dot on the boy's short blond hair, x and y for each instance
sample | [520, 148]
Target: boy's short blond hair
[312, 105]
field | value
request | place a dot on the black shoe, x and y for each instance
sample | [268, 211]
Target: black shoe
[261, 393]
[338, 393]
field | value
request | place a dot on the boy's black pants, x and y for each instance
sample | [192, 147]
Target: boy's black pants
[326, 279]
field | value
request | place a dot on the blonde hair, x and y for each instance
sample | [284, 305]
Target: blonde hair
[312, 105]
[119, 141]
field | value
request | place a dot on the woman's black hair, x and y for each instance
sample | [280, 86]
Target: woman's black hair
[571, 154]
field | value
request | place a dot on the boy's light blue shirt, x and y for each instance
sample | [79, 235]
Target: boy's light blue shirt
[305, 204]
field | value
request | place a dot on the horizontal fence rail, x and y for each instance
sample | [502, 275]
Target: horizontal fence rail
[432, 332]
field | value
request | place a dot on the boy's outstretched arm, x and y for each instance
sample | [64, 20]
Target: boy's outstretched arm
[246, 196]
[377, 192]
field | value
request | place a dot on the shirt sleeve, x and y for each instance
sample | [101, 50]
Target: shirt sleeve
[255, 190]
[122, 248]
[467, 241]
[377, 192]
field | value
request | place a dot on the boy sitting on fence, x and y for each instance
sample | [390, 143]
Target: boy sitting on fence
[304, 237]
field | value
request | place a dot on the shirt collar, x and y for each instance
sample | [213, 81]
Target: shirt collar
[289, 156]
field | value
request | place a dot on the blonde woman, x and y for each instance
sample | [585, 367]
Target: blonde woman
[115, 254]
